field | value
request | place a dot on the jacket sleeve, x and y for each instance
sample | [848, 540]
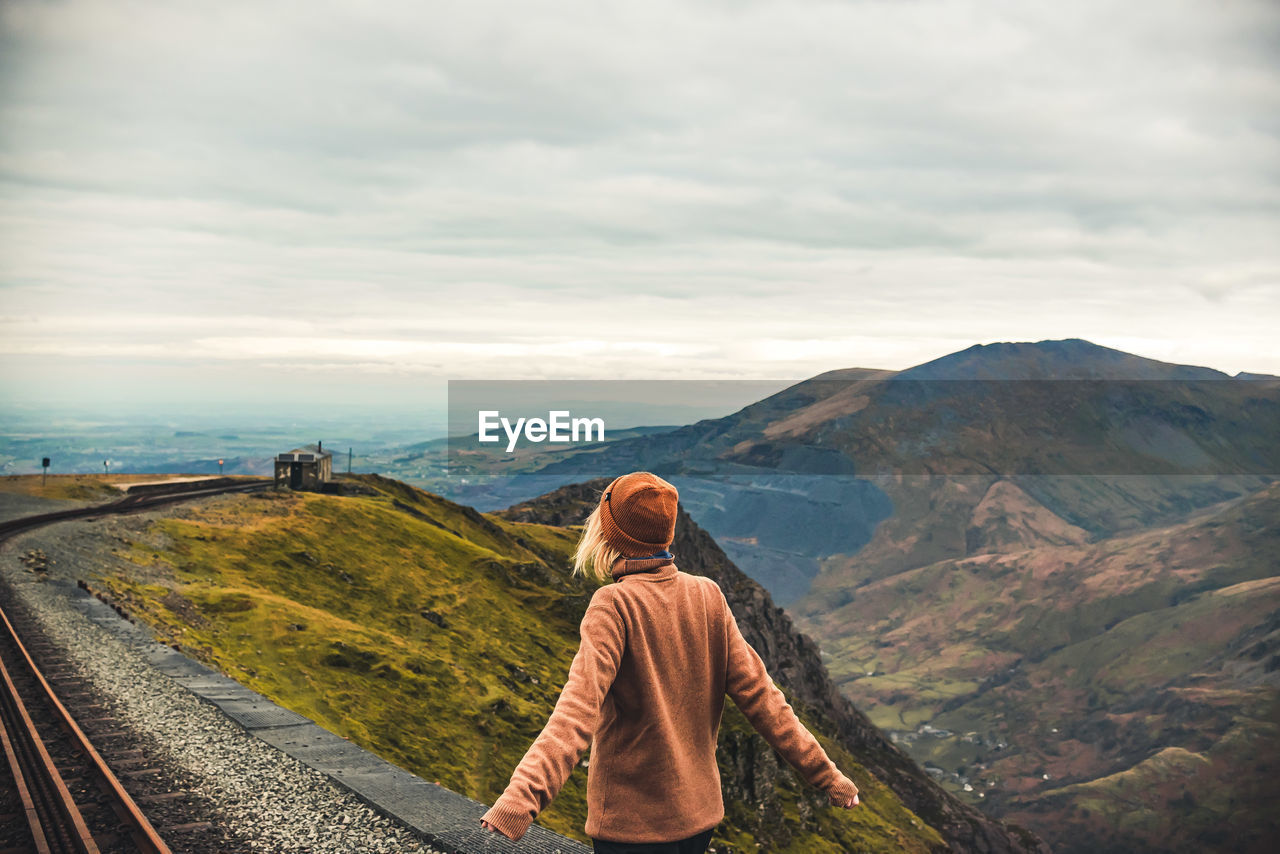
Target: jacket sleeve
[766, 708]
[551, 758]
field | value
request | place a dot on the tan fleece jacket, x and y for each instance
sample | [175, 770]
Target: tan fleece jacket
[660, 649]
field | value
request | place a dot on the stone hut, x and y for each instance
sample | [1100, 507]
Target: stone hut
[309, 467]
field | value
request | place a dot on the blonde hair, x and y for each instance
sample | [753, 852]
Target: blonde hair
[594, 557]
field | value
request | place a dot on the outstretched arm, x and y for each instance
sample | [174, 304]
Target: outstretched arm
[766, 707]
[551, 757]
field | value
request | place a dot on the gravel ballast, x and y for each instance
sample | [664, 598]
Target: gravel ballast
[268, 800]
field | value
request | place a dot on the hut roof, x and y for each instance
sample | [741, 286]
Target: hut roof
[311, 449]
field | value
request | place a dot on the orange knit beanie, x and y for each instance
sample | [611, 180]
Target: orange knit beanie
[638, 514]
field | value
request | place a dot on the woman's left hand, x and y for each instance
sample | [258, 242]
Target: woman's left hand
[491, 828]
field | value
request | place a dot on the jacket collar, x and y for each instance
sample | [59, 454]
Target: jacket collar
[654, 568]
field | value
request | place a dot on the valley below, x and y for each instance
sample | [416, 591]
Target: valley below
[1113, 693]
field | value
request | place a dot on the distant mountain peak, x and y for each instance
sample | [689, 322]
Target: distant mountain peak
[1068, 358]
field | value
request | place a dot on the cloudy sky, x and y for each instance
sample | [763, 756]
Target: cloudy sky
[234, 201]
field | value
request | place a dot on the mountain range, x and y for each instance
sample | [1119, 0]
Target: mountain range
[1047, 569]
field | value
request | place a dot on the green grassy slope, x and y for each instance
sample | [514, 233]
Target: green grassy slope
[429, 633]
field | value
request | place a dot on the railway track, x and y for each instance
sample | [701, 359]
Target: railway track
[132, 503]
[54, 768]
[59, 793]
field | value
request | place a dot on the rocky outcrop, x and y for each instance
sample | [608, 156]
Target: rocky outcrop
[794, 662]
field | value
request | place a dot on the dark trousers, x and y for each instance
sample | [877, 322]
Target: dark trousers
[696, 844]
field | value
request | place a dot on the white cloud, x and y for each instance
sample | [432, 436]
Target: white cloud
[462, 188]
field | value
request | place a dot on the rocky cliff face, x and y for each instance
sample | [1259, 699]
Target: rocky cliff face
[794, 662]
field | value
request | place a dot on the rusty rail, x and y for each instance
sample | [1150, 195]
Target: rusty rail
[55, 820]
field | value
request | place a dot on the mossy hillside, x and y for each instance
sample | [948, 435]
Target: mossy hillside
[852, 836]
[431, 634]
[364, 617]
[767, 800]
